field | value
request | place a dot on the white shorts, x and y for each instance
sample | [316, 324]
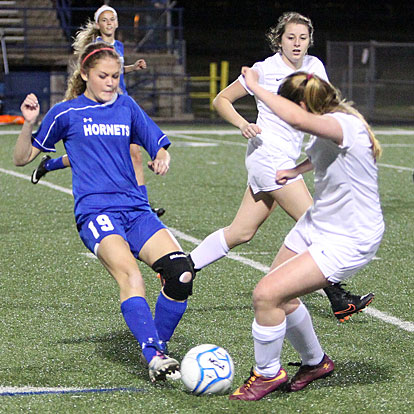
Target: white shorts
[338, 259]
[262, 164]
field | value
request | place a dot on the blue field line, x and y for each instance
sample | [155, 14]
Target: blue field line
[16, 391]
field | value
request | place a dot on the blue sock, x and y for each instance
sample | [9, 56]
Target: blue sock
[167, 315]
[144, 190]
[55, 164]
[138, 317]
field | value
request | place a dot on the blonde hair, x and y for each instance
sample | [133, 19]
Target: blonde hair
[85, 35]
[87, 59]
[275, 33]
[322, 97]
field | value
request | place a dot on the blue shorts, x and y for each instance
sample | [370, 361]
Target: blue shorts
[136, 227]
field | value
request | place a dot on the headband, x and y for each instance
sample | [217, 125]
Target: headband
[95, 51]
[103, 9]
[309, 76]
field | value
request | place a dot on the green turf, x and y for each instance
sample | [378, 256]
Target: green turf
[61, 325]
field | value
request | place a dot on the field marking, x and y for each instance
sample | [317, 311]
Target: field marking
[395, 167]
[20, 391]
[405, 325]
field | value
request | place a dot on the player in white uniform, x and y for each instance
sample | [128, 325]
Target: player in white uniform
[272, 145]
[338, 235]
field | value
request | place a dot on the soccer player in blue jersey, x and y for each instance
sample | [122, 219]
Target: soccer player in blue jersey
[113, 216]
[103, 29]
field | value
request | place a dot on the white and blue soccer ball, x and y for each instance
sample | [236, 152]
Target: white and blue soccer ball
[207, 369]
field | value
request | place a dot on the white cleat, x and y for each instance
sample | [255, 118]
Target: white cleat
[161, 366]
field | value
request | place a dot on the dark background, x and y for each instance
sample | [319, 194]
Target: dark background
[234, 30]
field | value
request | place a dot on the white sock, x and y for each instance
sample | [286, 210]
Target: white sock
[268, 342]
[212, 248]
[300, 333]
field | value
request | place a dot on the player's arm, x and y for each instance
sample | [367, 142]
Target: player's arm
[282, 176]
[136, 158]
[140, 64]
[161, 163]
[223, 104]
[297, 116]
[24, 152]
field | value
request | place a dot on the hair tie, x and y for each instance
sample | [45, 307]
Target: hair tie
[95, 51]
[309, 76]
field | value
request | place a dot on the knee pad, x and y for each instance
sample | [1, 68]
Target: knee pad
[174, 269]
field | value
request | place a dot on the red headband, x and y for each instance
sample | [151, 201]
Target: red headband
[95, 51]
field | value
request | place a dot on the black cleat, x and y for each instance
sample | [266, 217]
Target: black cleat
[40, 171]
[344, 303]
[158, 211]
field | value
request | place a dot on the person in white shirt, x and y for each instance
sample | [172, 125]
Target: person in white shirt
[337, 236]
[272, 144]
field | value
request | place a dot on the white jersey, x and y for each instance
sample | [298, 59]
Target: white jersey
[343, 228]
[279, 145]
[346, 198]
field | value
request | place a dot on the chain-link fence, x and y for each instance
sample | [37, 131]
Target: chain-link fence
[377, 76]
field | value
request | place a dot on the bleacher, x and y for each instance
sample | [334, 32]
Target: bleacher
[36, 52]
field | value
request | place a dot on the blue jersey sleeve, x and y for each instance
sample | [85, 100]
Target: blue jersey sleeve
[146, 133]
[51, 130]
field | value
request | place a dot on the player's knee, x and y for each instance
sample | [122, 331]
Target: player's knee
[177, 275]
[264, 297]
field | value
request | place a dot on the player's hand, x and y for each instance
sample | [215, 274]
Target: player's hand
[161, 163]
[250, 75]
[160, 167]
[250, 130]
[140, 64]
[282, 176]
[30, 108]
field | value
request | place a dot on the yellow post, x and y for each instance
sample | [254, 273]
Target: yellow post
[213, 83]
[224, 74]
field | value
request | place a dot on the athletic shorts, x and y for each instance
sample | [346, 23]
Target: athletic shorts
[262, 164]
[136, 227]
[338, 259]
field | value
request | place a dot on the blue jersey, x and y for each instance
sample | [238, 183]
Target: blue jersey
[119, 47]
[97, 139]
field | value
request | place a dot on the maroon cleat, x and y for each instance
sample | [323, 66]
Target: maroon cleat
[309, 373]
[257, 386]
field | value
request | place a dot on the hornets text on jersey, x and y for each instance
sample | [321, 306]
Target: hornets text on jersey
[97, 138]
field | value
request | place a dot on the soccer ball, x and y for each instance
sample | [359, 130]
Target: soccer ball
[207, 369]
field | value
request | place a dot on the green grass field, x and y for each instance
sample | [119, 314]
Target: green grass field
[64, 347]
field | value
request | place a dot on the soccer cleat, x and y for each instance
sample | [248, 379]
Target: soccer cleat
[158, 211]
[162, 366]
[40, 171]
[308, 373]
[258, 386]
[344, 303]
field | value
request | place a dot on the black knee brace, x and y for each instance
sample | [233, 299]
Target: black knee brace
[172, 267]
